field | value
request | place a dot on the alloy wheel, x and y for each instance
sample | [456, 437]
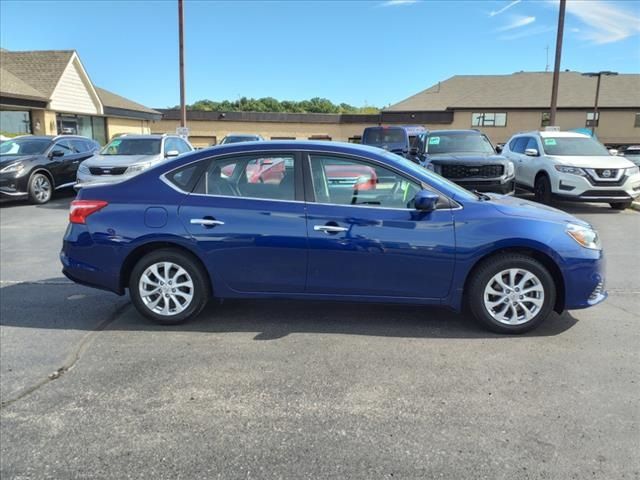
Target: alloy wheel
[41, 188]
[514, 296]
[166, 288]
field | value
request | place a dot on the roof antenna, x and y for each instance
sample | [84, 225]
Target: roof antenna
[546, 69]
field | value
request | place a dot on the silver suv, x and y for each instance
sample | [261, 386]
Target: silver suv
[128, 155]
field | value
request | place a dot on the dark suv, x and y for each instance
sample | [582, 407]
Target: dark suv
[465, 157]
[35, 166]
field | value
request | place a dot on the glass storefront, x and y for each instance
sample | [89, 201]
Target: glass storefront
[15, 122]
[85, 125]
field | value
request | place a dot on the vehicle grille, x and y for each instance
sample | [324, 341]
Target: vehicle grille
[107, 170]
[466, 171]
[611, 173]
[605, 193]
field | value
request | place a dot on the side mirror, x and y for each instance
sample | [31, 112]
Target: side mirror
[531, 152]
[613, 151]
[425, 201]
[498, 149]
[172, 153]
[56, 153]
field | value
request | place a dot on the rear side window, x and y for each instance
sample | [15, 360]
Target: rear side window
[185, 178]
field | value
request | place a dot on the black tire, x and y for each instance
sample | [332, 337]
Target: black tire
[542, 189]
[620, 205]
[201, 290]
[483, 275]
[40, 188]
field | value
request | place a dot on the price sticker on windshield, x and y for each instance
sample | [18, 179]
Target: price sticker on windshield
[550, 141]
[434, 140]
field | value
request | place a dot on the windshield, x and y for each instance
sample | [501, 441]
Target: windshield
[435, 179]
[24, 146]
[237, 139]
[133, 146]
[382, 136]
[457, 143]
[573, 146]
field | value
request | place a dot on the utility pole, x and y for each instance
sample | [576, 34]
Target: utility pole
[556, 67]
[595, 120]
[546, 65]
[183, 106]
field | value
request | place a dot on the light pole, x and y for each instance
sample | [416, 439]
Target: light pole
[183, 108]
[556, 66]
[595, 105]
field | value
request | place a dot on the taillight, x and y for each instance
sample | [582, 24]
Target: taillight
[81, 209]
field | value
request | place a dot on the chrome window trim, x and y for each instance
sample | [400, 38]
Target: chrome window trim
[455, 205]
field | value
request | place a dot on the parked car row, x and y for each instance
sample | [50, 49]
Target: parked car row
[34, 167]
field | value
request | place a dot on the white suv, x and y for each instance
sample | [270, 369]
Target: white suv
[572, 166]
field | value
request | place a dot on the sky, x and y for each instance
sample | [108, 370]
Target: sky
[359, 52]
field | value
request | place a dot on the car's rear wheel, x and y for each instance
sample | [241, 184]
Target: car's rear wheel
[542, 189]
[169, 286]
[40, 188]
[511, 293]
[620, 205]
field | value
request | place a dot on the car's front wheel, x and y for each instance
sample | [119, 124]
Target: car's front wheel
[40, 188]
[169, 286]
[511, 293]
[542, 189]
[620, 205]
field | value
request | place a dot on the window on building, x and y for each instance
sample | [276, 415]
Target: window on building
[320, 137]
[85, 125]
[545, 121]
[592, 119]
[283, 138]
[489, 119]
[637, 122]
[355, 139]
[15, 122]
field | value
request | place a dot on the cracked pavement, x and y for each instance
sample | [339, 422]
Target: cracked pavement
[260, 389]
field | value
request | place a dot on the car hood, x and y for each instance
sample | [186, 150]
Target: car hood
[466, 158]
[119, 160]
[8, 159]
[518, 207]
[603, 161]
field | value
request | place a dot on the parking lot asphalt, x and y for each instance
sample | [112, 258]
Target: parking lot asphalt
[273, 389]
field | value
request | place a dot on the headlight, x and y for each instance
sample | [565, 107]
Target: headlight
[84, 169]
[572, 170]
[138, 167]
[585, 236]
[511, 169]
[16, 167]
[632, 171]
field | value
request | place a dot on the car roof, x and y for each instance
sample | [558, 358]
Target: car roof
[544, 134]
[153, 136]
[242, 135]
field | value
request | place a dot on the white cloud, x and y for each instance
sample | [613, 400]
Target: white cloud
[518, 22]
[607, 21]
[392, 3]
[530, 32]
[507, 7]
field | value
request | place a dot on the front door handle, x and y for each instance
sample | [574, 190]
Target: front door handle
[206, 222]
[329, 228]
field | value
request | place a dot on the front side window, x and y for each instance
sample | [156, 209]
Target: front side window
[132, 146]
[344, 181]
[251, 176]
[439, 143]
[573, 146]
[532, 144]
[519, 144]
[65, 147]
[489, 119]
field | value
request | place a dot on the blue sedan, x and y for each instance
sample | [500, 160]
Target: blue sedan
[322, 220]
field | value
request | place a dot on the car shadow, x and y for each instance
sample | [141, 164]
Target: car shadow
[62, 305]
[576, 208]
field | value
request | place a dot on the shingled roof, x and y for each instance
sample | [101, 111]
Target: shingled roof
[524, 90]
[110, 99]
[12, 85]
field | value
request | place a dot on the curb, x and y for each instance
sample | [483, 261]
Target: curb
[635, 206]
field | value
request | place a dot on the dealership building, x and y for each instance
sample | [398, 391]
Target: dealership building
[498, 105]
[49, 92]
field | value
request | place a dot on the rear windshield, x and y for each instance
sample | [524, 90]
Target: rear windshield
[383, 136]
[573, 146]
[133, 146]
[458, 143]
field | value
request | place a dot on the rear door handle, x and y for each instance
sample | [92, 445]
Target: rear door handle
[329, 228]
[206, 222]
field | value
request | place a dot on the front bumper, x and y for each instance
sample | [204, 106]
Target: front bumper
[12, 187]
[584, 280]
[579, 189]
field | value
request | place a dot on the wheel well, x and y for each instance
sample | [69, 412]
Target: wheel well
[142, 250]
[541, 173]
[46, 172]
[543, 258]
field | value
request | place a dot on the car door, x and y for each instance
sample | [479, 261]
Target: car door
[530, 165]
[365, 239]
[515, 153]
[60, 156]
[82, 150]
[250, 228]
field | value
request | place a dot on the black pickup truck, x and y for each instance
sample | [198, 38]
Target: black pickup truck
[465, 157]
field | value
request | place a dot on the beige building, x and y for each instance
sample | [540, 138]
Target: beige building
[50, 93]
[499, 105]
